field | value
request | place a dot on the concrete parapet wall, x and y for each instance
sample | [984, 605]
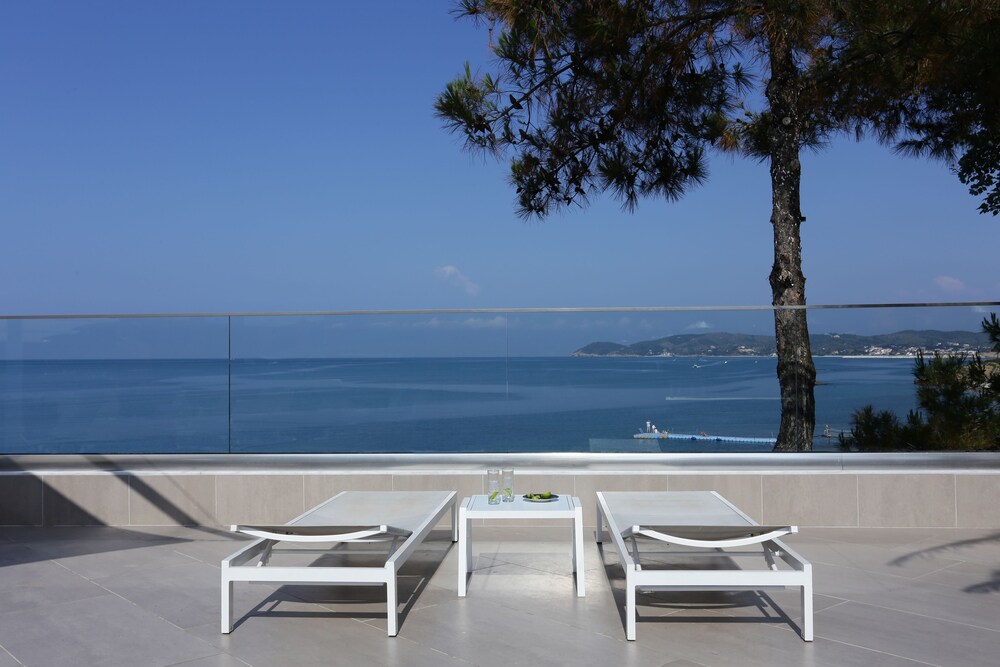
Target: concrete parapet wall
[238, 490]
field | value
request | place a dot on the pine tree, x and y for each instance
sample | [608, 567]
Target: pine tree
[628, 97]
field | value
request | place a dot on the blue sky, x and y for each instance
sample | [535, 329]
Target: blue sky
[265, 156]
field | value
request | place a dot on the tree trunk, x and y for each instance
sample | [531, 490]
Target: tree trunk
[796, 372]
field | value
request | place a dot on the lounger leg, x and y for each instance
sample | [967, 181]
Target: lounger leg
[265, 555]
[807, 608]
[227, 603]
[769, 557]
[600, 526]
[454, 522]
[391, 616]
[629, 606]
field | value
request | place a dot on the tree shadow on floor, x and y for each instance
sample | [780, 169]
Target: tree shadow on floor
[954, 549]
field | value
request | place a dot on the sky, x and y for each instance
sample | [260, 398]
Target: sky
[189, 157]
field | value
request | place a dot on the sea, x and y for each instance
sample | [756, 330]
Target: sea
[529, 404]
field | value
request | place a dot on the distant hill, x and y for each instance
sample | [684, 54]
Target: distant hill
[848, 345]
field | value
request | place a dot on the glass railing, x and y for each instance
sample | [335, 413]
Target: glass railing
[517, 380]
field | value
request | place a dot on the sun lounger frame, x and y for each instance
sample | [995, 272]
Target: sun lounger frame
[251, 563]
[716, 539]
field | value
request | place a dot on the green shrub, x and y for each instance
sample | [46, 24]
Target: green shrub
[959, 401]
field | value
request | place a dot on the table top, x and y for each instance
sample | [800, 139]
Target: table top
[480, 503]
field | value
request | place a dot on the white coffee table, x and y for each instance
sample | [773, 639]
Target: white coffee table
[478, 507]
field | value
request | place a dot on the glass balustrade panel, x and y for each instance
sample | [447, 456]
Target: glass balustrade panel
[113, 385]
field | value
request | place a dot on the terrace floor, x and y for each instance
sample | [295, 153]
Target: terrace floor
[116, 596]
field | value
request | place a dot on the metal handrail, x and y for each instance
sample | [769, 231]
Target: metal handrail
[502, 311]
[460, 463]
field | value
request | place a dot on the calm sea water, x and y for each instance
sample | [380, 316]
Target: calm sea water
[417, 405]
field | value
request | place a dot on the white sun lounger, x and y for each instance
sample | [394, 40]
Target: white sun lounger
[399, 519]
[702, 520]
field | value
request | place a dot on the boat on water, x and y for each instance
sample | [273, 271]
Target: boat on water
[653, 433]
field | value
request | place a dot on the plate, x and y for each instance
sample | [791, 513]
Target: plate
[553, 498]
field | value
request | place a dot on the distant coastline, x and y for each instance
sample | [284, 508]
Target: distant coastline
[748, 356]
[899, 345]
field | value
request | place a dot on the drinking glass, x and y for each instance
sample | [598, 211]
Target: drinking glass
[493, 486]
[507, 485]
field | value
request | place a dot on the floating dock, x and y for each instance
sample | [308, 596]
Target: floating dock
[704, 438]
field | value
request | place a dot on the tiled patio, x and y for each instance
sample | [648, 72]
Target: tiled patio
[115, 596]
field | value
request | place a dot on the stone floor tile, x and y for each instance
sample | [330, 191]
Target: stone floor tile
[481, 631]
[105, 630]
[186, 594]
[217, 660]
[909, 635]
[976, 578]
[963, 545]
[6, 659]
[305, 639]
[939, 602]
[35, 584]
[729, 642]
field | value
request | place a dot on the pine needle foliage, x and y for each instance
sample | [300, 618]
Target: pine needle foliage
[602, 95]
[598, 95]
[924, 77]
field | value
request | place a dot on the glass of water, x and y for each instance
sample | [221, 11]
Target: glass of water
[493, 486]
[507, 485]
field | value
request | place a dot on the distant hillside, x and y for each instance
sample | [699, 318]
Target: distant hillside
[730, 345]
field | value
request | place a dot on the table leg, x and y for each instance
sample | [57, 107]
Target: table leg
[464, 551]
[578, 566]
